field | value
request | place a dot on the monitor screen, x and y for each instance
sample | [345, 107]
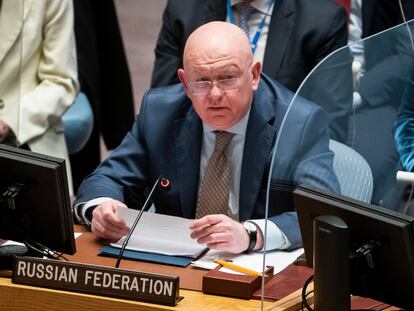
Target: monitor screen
[390, 276]
[34, 200]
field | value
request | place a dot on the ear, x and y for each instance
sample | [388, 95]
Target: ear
[181, 76]
[256, 69]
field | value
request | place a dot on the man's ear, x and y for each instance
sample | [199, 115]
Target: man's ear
[256, 69]
[181, 76]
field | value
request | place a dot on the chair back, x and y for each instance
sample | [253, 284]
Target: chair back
[78, 123]
[353, 172]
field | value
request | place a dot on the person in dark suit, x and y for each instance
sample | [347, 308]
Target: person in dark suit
[104, 78]
[379, 15]
[221, 90]
[387, 61]
[293, 41]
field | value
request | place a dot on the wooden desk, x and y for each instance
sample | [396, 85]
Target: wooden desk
[190, 278]
[293, 302]
[20, 297]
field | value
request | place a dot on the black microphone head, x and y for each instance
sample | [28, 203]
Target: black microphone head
[165, 183]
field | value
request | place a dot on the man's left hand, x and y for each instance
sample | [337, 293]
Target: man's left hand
[221, 233]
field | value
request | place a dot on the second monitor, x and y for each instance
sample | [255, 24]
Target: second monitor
[384, 269]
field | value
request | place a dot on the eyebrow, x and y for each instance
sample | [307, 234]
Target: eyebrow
[203, 75]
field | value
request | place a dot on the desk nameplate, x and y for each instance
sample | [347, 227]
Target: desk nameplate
[96, 280]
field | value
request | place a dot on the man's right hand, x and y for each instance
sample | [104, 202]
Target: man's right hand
[105, 222]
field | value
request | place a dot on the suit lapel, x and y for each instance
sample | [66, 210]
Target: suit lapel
[11, 22]
[260, 135]
[188, 136]
[278, 37]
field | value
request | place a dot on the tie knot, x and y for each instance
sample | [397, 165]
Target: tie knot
[222, 140]
[245, 10]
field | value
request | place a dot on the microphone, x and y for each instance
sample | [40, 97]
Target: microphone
[165, 184]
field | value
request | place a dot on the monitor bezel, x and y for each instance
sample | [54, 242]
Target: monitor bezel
[65, 240]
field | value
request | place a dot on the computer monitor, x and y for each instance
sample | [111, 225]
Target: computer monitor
[391, 279]
[34, 200]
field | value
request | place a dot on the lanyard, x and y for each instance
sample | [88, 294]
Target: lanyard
[253, 42]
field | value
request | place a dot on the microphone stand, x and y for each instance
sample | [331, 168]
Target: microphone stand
[124, 244]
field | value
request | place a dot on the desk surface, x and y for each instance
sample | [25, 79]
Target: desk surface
[21, 297]
[87, 249]
[190, 278]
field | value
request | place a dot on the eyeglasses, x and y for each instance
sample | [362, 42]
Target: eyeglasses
[204, 87]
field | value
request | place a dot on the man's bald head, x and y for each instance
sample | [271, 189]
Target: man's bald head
[215, 40]
[219, 74]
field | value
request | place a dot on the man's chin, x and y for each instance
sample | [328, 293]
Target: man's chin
[220, 124]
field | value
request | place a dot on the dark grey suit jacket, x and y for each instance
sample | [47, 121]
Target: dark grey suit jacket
[388, 57]
[166, 140]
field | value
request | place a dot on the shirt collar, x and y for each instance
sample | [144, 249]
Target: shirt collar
[239, 128]
[261, 5]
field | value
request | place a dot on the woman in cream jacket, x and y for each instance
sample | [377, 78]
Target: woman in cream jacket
[38, 74]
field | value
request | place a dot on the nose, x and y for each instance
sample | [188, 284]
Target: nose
[215, 91]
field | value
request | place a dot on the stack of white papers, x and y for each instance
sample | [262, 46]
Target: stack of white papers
[170, 235]
[160, 234]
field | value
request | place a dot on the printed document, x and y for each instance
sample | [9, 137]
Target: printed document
[161, 234]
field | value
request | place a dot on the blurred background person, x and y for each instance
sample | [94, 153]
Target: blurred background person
[404, 128]
[104, 78]
[38, 74]
[404, 138]
[382, 66]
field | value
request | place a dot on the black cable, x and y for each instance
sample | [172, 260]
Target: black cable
[305, 295]
[60, 256]
[42, 251]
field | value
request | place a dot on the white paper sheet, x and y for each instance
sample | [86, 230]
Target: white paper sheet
[254, 261]
[162, 234]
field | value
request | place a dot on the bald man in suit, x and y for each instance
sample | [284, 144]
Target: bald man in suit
[294, 39]
[221, 92]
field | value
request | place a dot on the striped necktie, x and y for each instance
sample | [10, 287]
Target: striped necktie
[213, 196]
[245, 10]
